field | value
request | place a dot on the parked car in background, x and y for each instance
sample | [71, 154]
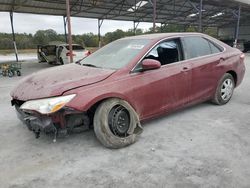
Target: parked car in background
[60, 53]
[128, 81]
[246, 46]
[230, 42]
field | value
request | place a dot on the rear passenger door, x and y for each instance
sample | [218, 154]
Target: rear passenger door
[204, 56]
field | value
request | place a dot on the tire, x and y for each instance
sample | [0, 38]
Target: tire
[223, 92]
[18, 73]
[10, 74]
[112, 131]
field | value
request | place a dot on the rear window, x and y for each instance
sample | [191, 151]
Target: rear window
[214, 48]
[196, 46]
[75, 47]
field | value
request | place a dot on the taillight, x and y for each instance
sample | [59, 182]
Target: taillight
[68, 54]
[87, 53]
[242, 58]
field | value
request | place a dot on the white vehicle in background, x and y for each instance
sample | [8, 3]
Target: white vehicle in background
[59, 53]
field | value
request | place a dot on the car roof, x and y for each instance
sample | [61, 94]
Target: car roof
[158, 36]
[68, 45]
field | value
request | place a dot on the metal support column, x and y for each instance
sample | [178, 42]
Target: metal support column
[135, 17]
[100, 21]
[154, 14]
[217, 31]
[65, 28]
[135, 26]
[69, 31]
[200, 16]
[237, 27]
[13, 35]
[161, 27]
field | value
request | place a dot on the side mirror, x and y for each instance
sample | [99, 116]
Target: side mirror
[150, 64]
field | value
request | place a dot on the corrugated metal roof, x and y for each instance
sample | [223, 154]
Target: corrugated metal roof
[168, 11]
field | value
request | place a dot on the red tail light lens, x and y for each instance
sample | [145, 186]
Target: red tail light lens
[242, 56]
[87, 53]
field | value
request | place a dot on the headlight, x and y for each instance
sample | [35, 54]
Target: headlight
[49, 105]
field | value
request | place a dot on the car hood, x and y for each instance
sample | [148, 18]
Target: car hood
[55, 81]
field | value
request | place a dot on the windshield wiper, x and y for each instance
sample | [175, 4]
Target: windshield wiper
[89, 65]
[78, 62]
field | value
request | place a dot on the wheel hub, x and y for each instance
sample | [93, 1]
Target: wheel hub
[119, 121]
[227, 89]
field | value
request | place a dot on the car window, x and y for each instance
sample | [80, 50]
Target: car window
[49, 50]
[196, 46]
[117, 54]
[75, 47]
[214, 48]
[166, 52]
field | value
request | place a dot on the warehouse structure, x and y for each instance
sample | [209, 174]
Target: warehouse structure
[230, 14]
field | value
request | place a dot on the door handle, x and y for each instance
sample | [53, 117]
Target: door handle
[222, 59]
[184, 69]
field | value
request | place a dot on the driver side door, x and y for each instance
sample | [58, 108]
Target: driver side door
[167, 88]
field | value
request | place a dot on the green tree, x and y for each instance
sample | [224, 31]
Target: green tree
[43, 37]
[111, 36]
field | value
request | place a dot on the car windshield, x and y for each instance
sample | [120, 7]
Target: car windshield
[116, 54]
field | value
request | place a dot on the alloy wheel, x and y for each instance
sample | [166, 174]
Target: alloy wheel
[227, 89]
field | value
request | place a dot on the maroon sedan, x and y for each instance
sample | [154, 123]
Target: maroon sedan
[127, 81]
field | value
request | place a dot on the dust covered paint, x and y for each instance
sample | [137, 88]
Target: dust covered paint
[141, 76]
[55, 81]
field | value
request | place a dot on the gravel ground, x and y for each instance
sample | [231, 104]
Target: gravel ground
[201, 146]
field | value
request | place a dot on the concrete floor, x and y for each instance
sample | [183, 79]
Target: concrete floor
[202, 146]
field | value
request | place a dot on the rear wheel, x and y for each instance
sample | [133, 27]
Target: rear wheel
[18, 73]
[116, 123]
[224, 89]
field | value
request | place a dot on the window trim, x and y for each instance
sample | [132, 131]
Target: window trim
[134, 71]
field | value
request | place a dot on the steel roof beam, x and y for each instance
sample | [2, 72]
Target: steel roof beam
[171, 11]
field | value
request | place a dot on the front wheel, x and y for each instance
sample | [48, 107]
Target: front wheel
[224, 89]
[116, 124]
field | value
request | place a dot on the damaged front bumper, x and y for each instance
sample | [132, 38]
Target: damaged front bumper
[59, 123]
[36, 123]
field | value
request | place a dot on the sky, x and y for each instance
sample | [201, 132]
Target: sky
[30, 23]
